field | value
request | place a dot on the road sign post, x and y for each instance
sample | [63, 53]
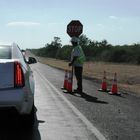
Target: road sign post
[74, 28]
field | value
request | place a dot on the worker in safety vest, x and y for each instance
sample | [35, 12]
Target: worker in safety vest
[77, 61]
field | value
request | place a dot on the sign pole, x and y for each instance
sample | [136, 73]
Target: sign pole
[74, 29]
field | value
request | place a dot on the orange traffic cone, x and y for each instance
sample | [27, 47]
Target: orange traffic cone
[65, 80]
[114, 89]
[104, 84]
[69, 84]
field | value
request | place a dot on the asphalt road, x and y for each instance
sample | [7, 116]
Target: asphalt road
[63, 116]
[116, 117]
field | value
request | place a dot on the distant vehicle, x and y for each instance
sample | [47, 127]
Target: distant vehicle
[16, 82]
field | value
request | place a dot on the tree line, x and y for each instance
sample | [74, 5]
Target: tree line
[94, 51]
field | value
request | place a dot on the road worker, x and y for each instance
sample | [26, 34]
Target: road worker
[77, 61]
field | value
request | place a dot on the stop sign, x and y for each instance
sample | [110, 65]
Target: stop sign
[74, 28]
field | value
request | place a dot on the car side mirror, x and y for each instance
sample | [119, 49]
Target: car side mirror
[32, 60]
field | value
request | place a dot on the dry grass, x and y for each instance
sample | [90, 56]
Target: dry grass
[128, 76]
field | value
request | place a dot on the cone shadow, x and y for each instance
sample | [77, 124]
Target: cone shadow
[118, 95]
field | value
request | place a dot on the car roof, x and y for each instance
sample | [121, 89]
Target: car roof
[4, 45]
[12, 47]
[8, 44]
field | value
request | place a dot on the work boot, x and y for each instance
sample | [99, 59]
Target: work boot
[78, 91]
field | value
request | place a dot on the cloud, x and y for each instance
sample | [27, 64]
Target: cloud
[100, 25]
[25, 24]
[113, 17]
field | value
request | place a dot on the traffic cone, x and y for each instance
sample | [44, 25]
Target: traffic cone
[114, 89]
[104, 84]
[69, 84]
[65, 80]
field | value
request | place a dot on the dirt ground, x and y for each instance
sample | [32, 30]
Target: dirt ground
[128, 76]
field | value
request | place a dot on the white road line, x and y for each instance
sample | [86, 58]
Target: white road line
[89, 125]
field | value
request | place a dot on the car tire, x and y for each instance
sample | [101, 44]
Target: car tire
[31, 117]
[29, 120]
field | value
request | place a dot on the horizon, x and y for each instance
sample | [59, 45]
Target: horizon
[34, 23]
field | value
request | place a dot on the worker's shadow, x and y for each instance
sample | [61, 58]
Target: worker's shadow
[87, 97]
[90, 98]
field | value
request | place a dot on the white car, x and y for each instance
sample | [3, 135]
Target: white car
[16, 82]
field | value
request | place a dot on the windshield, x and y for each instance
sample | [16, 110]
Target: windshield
[5, 52]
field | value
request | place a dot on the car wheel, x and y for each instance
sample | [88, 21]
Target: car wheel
[31, 117]
[28, 120]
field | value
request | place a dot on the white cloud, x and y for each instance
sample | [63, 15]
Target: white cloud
[113, 17]
[100, 25]
[26, 24]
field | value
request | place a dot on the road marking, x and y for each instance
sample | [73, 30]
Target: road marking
[89, 125]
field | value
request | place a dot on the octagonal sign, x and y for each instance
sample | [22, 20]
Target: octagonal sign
[74, 28]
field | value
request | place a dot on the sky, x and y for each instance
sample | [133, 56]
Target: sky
[34, 23]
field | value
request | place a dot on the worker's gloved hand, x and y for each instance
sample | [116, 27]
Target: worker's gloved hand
[70, 64]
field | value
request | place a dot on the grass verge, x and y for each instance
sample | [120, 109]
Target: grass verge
[128, 76]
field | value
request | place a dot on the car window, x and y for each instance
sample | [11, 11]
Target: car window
[5, 52]
[17, 54]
